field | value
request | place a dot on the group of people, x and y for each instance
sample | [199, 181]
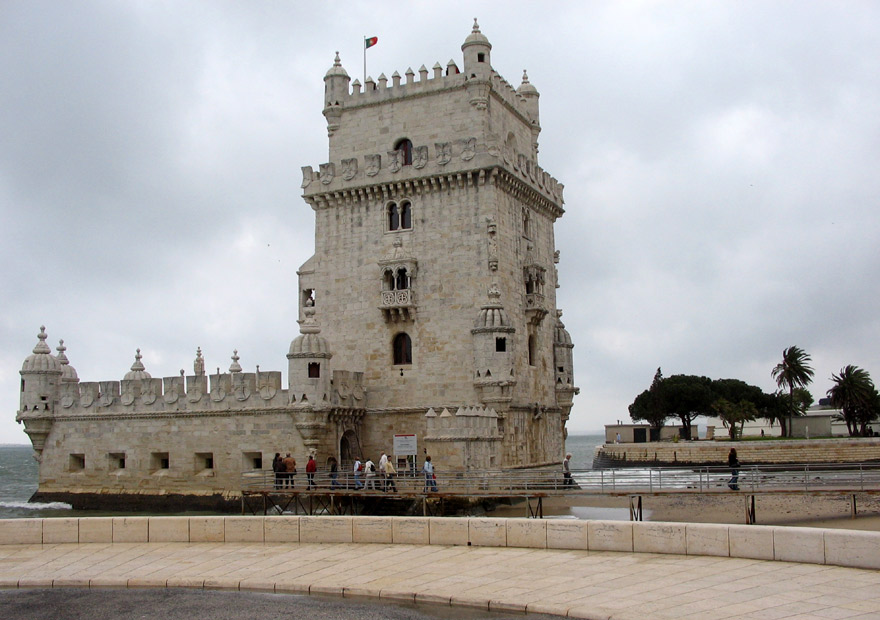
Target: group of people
[367, 474]
[284, 469]
[377, 478]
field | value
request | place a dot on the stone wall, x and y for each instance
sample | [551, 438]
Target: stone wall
[861, 450]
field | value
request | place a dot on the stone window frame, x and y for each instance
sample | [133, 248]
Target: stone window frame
[398, 216]
[116, 461]
[405, 146]
[401, 349]
[76, 462]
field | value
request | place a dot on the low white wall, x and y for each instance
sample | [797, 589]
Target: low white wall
[855, 549]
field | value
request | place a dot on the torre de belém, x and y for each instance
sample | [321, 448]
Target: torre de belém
[428, 311]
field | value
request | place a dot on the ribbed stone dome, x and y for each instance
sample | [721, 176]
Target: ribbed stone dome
[476, 37]
[336, 69]
[562, 335]
[137, 372]
[492, 315]
[526, 87]
[68, 372]
[309, 341]
[41, 360]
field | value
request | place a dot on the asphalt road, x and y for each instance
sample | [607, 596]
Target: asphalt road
[183, 604]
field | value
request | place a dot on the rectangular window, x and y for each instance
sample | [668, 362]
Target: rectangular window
[159, 461]
[77, 462]
[204, 461]
[500, 345]
[251, 460]
[314, 370]
[116, 460]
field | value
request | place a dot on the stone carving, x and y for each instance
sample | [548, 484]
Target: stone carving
[491, 231]
[171, 394]
[127, 398]
[307, 176]
[67, 401]
[420, 157]
[328, 171]
[394, 160]
[87, 399]
[148, 396]
[468, 148]
[349, 168]
[217, 391]
[199, 363]
[372, 164]
[444, 152]
[194, 394]
[267, 392]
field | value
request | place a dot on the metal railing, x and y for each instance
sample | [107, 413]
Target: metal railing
[752, 478]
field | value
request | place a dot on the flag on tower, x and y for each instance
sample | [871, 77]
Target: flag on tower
[368, 43]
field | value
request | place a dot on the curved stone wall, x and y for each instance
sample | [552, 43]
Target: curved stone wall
[849, 548]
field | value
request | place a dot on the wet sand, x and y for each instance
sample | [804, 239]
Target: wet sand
[832, 511]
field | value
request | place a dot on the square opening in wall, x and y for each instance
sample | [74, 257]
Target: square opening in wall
[116, 460]
[251, 461]
[159, 462]
[205, 463]
[500, 345]
[77, 462]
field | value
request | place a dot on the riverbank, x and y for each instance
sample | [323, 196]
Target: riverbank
[792, 510]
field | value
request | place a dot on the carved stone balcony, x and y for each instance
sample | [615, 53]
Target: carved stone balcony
[536, 307]
[398, 305]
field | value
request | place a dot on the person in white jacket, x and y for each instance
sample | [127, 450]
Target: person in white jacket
[370, 470]
[357, 474]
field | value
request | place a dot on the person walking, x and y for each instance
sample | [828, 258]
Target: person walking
[357, 474]
[289, 471]
[566, 471]
[370, 470]
[334, 473]
[311, 468]
[390, 473]
[382, 460]
[278, 470]
[733, 464]
[430, 478]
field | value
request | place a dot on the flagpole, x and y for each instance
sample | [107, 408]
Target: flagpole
[365, 62]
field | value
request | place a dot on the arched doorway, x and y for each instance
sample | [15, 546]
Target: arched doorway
[349, 448]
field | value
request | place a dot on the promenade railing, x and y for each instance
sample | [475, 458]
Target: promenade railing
[708, 479]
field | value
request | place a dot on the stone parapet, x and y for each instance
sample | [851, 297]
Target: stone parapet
[860, 450]
[854, 549]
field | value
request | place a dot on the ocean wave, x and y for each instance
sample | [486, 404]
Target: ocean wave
[37, 505]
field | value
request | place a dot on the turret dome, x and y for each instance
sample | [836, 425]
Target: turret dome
[562, 336]
[41, 360]
[336, 70]
[476, 37]
[68, 372]
[309, 341]
[492, 315]
[526, 88]
[137, 372]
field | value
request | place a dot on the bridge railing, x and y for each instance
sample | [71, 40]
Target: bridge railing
[756, 478]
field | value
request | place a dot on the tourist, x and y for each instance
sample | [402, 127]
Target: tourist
[430, 477]
[390, 472]
[311, 468]
[566, 471]
[278, 470]
[617, 439]
[370, 469]
[358, 468]
[382, 460]
[289, 471]
[334, 473]
[733, 464]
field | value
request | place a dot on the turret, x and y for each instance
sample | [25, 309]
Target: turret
[530, 95]
[308, 371]
[41, 376]
[335, 91]
[563, 365]
[476, 49]
[494, 353]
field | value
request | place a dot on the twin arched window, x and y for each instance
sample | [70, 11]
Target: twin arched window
[401, 349]
[396, 280]
[399, 215]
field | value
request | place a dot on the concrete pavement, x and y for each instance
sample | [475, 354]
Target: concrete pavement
[574, 583]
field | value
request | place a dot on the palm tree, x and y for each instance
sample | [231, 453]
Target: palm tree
[792, 372]
[853, 393]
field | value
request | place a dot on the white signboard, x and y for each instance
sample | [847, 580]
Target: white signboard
[405, 445]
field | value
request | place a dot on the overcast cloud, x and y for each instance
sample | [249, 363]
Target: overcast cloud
[720, 163]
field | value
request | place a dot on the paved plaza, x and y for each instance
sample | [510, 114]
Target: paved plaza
[574, 583]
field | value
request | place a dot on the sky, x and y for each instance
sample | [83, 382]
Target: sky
[720, 162]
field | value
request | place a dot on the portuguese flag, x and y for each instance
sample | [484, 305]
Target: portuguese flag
[368, 43]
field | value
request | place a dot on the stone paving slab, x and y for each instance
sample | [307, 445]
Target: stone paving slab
[573, 583]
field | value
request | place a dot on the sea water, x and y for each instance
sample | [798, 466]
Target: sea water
[19, 476]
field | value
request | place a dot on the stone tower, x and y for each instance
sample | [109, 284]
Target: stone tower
[434, 267]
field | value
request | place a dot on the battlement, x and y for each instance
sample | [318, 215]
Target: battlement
[452, 157]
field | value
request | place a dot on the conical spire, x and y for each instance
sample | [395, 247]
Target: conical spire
[137, 372]
[68, 372]
[41, 359]
[199, 363]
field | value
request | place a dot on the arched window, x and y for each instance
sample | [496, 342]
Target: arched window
[405, 145]
[402, 349]
[405, 215]
[402, 279]
[388, 280]
[393, 217]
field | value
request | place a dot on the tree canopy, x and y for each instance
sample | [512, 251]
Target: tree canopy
[794, 371]
[854, 394]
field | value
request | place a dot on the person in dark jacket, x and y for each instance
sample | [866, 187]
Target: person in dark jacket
[733, 464]
[278, 469]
